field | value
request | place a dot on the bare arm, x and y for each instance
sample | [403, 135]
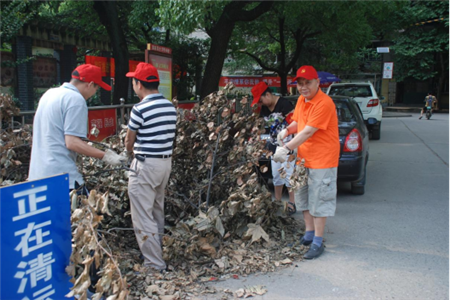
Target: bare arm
[301, 137]
[75, 144]
[292, 128]
[130, 139]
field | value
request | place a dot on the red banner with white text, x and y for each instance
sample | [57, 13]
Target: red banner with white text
[105, 121]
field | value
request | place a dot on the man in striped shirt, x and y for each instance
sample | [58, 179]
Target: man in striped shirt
[150, 135]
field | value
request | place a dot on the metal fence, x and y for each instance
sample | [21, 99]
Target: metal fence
[123, 110]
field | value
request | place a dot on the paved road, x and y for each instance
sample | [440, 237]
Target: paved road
[392, 242]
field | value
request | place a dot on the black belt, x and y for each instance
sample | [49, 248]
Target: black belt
[142, 157]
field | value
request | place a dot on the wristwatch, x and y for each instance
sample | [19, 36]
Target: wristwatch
[290, 151]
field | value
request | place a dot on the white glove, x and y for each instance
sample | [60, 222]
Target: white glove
[281, 136]
[280, 154]
[112, 158]
[127, 154]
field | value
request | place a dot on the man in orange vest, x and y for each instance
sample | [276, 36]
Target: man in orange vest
[315, 124]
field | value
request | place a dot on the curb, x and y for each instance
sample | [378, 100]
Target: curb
[397, 116]
[411, 110]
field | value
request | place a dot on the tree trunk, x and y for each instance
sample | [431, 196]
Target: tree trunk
[283, 71]
[220, 34]
[109, 17]
[216, 57]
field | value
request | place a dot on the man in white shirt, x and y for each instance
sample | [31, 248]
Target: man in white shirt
[61, 120]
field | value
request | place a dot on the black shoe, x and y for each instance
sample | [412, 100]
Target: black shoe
[314, 252]
[304, 242]
[420, 117]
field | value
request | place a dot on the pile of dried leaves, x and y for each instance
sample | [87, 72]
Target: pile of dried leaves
[220, 221]
[15, 148]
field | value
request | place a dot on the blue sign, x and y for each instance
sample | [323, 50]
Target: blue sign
[35, 239]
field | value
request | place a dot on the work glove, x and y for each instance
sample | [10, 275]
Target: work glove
[112, 158]
[127, 154]
[280, 154]
[281, 136]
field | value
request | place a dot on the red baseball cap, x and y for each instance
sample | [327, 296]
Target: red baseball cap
[257, 91]
[88, 73]
[145, 72]
[307, 72]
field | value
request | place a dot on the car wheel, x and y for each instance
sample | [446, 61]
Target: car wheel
[358, 189]
[376, 131]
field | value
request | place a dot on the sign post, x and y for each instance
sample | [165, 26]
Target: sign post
[388, 69]
[161, 58]
[35, 239]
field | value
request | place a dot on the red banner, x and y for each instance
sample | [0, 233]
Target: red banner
[101, 62]
[158, 48]
[250, 81]
[105, 121]
[108, 65]
[161, 63]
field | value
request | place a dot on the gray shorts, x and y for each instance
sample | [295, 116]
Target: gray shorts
[319, 195]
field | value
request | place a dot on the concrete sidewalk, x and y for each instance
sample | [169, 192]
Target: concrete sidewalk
[408, 108]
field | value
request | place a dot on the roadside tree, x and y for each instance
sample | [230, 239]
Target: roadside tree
[422, 44]
[218, 19]
[327, 34]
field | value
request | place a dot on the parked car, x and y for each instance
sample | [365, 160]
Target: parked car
[354, 140]
[365, 95]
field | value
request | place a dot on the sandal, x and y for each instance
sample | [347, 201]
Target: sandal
[291, 208]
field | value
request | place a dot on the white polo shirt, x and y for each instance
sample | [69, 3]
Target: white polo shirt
[61, 111]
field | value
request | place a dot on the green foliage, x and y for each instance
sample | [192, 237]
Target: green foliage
[76, 17]
[418, 47]
[188, 56]
[187, 16]
[94, 100]
[325, 34]
[13, 64]
[13, 15]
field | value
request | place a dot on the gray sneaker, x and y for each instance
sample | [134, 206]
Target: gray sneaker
[314, 252]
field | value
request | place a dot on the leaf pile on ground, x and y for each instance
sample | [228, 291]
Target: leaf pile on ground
[221, 221]
[15, 148]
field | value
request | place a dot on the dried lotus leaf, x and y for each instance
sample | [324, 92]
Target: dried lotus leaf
[225, 112]
[264, 169]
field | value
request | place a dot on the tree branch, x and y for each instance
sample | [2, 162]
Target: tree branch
[260, 62]
[237, 13]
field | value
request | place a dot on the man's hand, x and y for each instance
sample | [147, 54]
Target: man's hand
[280, 154]
[281, 136]
[112, 158]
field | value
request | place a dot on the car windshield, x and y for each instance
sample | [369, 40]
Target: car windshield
[343, 112]
[351, 91]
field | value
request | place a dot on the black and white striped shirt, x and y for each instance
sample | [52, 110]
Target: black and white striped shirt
[154, 119]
